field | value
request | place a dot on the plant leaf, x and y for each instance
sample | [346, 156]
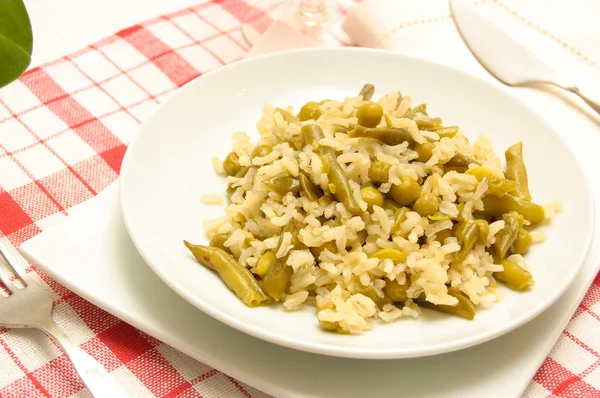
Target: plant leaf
[16, 40]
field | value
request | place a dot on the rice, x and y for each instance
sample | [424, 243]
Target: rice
[211, 199]
[329, 240]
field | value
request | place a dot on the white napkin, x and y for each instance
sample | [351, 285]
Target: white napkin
[564, 34]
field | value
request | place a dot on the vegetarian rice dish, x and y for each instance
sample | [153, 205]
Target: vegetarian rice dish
[371, 210]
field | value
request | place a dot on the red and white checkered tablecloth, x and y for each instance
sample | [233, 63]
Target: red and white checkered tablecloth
[64, 128]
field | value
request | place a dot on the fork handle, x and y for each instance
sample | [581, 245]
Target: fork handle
[590, 98]
[97, 380]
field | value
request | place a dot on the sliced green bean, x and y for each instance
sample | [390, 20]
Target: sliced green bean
[432, 123]
[219, 241]
[283, 185]
[516, 170]
[337, 178]
[514, 276]
[367, 92]
[311, 190]
[507, 235]
[288, 117]
[397, 256]
[277, 277]
[387, 135]
[261, 151]
[502, 187]
[494, 206]
[237, 278]
[467, 233]
[464, 308]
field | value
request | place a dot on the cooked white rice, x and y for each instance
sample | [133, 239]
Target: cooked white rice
[335, 279]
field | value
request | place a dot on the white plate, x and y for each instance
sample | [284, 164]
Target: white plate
[174, 148]
[114, 277]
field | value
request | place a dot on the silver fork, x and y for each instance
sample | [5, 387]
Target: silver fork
[31, 307]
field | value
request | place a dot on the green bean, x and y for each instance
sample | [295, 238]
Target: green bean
[309, 111]
[311, 190]
[399, 218]
[501, 187]
[426, 205]
[367, 92]
[395, 291]
[283, 185]
[507, 235]
[464, 308]
[264, 262]
[480, 172]
[387, 135]
[231, 164]
[278, 275]
[439, 216]
[397, 256]
[516, 170]
[424, 150]
[432, 123]
[411, 113]
[484, 230]
[443, 235]
[514, 276]
[237, 278]
[522, 243]
[338, 128]
[330, 246]
[261, 151]
[449, 131]
[390, 205]
[242, 172]
[288, 117]
[460, 161]
[494, 206]
[372, 196]
[407, 192]
[379, 172]
[467, 233]
[337, 178]
[219, 241]
[238, 218]
[369, 114]
[343, 191]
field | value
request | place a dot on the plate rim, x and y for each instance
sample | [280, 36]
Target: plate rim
[354, 351]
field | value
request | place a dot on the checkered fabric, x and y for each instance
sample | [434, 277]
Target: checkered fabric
[64, 128]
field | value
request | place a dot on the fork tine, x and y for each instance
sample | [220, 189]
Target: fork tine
[14, 261]
[6, 282]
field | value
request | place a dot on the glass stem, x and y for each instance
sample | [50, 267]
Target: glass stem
[312, 12]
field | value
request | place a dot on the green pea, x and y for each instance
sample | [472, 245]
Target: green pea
[261, 151]
[369, 115]
[231, 164]
[407, 192]
[426, 205]
[310, 111]
[425, 151]
[379, 172]
[372, 196]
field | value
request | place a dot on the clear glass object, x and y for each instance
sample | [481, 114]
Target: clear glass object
[314, 18]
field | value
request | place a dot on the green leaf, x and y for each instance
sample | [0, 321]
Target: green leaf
[16, 40]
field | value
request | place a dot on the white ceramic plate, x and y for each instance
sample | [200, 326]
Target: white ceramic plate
[167, 168]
